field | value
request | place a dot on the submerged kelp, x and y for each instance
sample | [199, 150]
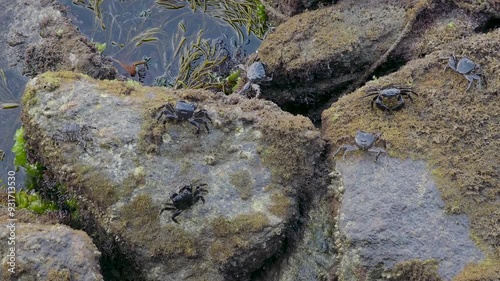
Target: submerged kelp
[182, 55]
[7, 98]
[249, 14]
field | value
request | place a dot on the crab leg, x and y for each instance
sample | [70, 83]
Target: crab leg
[176, 214]
[377, 150]
[347, 149]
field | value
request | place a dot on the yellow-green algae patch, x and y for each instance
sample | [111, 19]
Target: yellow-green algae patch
[140, 225]
[414, 270]
[487, 270]
[235, 234]
[48, 81]
[281, 205]
[242, 181]
[455, 131]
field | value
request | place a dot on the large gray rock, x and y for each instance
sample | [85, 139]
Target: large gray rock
[317, 53]
[48, 252]
[391, 211]
[257, 162]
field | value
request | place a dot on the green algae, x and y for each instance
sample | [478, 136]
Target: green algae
[234, 235]
[141, 225]
[414, 270]
[242, 181]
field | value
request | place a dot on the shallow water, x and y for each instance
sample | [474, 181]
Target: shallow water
[119, 24]
[11, 89]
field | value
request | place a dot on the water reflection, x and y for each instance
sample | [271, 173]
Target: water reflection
[165, 30]
[11, 88]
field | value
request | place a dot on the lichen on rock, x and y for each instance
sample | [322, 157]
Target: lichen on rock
[453, 130]
[263, 163]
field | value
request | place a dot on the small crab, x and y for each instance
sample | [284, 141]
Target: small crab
[467, 68]
[391, 98]
[186, 198]
[74, 133]
[255, 74]
[365, 142]
[184, 111]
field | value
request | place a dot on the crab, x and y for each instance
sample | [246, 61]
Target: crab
[185, 111]
[467, 68]
[255, 73]
[364, 141]
[390, 98]
[187, 197]
[74, 133]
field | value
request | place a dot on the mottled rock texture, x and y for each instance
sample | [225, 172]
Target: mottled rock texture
[41, 39]
[49, 252]
[257, 161]
[454, 131]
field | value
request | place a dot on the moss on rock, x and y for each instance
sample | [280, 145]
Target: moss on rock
[454, 130]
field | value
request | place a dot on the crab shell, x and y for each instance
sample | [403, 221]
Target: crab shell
[184, 110]
[256, 72]
[365, 140]
[464, 65]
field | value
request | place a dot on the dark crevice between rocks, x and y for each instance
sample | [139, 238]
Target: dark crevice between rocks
[314, 109]
[273, 267]
[115, 266]
[318, 103]
[490, 25]
[393, 64]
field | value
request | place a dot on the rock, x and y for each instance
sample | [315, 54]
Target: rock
[312, 255]
[286, 8]
[257, 162]
[491, 7]
[41, 39]
[48, 252]
[317, 56]
[321, 52]
[391, 211]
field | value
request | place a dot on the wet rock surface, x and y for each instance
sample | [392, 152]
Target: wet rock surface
[312, 254]
[41, 39]
[49, 252]
[392, 212]
[257, 162]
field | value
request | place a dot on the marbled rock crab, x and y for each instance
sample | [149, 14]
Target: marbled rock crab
[467, 68]
[186, 198]
[255, 74]
[184, 111]
[365, 142]
[391, 98]
[74, 133]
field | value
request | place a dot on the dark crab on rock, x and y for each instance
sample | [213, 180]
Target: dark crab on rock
[364, 141]
[185, 111]
[187, 197]
[390, 98]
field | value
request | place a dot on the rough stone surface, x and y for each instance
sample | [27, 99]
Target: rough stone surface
[49, 252]
[41, 39]
[287, 8]
[454, 131]
[312, 256]
[322, 51]
[392, 212]
[257, 161]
